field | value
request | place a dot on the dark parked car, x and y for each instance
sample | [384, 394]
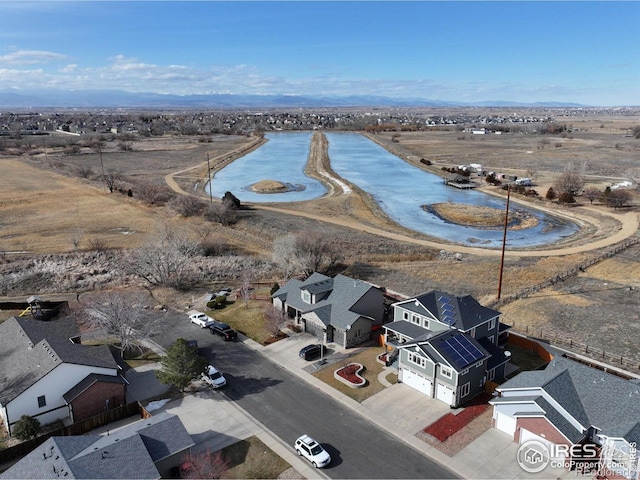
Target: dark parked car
[312, 351]
[228, 333]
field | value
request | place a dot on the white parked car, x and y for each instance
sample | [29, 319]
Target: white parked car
[213, 377]
[200, 319]
[312, 451]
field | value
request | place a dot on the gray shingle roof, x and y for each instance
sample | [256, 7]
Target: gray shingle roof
[130, 452]
[30, 349]
[339, 305]
[591, 396]
[467, 312]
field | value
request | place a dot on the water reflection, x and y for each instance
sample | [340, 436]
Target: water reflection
[400, 189]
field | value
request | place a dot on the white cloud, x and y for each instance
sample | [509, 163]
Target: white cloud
[30, 57]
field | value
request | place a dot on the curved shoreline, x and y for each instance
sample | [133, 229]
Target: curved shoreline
[628, 223]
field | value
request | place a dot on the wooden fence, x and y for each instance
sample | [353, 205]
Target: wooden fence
[18, 451]
[564, 340]
[524, 293]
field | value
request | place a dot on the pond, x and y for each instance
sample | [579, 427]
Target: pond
[400, 189]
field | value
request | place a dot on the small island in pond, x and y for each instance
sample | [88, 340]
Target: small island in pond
[481, 217]
[274, 186]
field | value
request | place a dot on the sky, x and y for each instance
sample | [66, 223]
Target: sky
[579, 52]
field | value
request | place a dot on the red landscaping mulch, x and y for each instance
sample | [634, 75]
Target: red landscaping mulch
[449, 424]
[349, 374]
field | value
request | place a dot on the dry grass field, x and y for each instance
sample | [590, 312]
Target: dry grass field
[47, 208]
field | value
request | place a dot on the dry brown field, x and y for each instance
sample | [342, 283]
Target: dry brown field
[46, 208]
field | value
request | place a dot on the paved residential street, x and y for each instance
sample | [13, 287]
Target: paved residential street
[272, 394]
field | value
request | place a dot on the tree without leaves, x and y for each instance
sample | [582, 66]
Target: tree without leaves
[204, 465]
[121, 315]
[633, 174]
[315, 254]
[592, 193]
[617, 198]
[274, 319]
[111, 177]
[181, 365]
[246, 291]
[304, 254]
[572, 179]
[165, 260]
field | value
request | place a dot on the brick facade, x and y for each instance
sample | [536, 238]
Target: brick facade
[96, 399]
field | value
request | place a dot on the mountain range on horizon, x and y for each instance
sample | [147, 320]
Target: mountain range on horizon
[122, 99]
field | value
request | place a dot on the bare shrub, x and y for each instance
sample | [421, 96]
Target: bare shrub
[592, 193]
[220, 213]
[98, 244]
[152, 194]
[213, 247]
[84, 172]
[304, 253]
[187, 205]
[204, 465]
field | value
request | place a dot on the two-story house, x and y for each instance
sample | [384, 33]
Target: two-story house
[47, 374]
[445, 346]
[344, 309]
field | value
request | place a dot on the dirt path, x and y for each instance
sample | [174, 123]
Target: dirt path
[629, 221]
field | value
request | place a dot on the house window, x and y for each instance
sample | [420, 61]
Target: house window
[446, 371]
[306, 296]
[491, 338]
[492, 324]
[415, 319]
[425, 323]
[473, 333]
[464, 372]
[464, 390]
[405, 315]
[492, 374]
[42, 402]
[417, 359]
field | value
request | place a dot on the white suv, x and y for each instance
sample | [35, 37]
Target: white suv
[200, 319]
[312, 451]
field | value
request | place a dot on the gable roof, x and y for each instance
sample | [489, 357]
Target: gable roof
[30, 349]
[593, 397]
[456, 349]
[463, 313]
[338, 308]
[90, 380]
[129, 452]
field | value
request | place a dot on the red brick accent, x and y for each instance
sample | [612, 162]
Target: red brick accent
[93, 401]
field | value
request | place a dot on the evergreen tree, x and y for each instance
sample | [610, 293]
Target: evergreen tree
[181, 365]
[26, 428]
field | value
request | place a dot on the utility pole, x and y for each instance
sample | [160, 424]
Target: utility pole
[209, 174]
[504, 240]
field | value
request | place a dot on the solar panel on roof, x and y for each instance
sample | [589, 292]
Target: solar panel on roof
[449, 319]
[461, 351]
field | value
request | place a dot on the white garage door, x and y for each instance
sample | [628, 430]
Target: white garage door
[505, 423]
[420, 383]
[527, 436]
[444, 394]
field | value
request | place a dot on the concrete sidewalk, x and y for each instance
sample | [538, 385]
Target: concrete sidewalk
[398, 409]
